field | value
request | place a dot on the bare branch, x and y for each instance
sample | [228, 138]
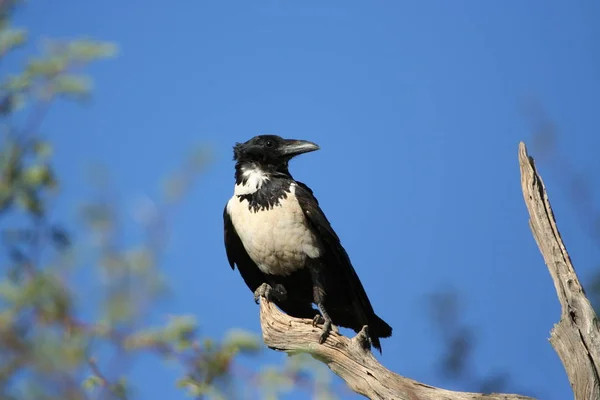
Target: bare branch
[576, 338]
[351, 360]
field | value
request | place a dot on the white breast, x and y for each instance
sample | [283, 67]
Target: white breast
[277, 239]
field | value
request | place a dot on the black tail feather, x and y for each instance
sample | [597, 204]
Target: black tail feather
[378, 329]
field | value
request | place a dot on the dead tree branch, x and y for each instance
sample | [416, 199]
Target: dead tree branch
[352, 361]
[576, 338]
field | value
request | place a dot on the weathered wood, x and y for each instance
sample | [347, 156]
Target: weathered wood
[576, 338]
[349, 359]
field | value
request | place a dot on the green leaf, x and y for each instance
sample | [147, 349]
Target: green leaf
[29, 201]
[42, 149]
[324, 394]
[73, 349]
[140, 259]
[11, 39]
[181, 330]
[119, 308]
[194, 388]
[88, 50]
[208, 344]
[91, 382]
[10, 163]
[9, 291]
[17, 83]
[77, 86]
[36, 175]
[120, 388]
[273, 379]
[142, 338]
[49, 295]
[7, 319]
[240, 340]
[47, 67]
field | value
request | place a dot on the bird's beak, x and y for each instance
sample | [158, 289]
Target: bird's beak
[292, 147]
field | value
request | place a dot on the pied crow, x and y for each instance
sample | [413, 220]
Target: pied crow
[284, 246]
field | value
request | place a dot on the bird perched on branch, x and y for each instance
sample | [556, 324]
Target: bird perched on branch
[284, 246]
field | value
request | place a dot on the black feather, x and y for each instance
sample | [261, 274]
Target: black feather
[347, 301]
[267, 199]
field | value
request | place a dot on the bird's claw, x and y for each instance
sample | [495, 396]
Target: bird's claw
[270, 293]
[327, 326]
[318, 320]
[326, 331]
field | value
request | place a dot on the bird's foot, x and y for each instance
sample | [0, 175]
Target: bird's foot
[326, 331]
[326, 321]
[270, 293]
[318, 320]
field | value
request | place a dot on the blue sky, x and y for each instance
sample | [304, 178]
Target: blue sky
[418, 109]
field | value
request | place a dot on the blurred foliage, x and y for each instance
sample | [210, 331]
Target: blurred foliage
[57, 342]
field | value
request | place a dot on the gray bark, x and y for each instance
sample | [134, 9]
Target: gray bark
[576, 337]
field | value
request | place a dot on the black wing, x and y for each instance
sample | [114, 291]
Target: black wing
[347, 301]
[254, 277]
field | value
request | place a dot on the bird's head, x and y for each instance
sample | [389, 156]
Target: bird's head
[271, 150]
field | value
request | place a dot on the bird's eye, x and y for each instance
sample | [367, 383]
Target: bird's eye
[269, 143]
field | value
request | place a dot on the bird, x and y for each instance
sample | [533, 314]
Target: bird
[284, 246]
